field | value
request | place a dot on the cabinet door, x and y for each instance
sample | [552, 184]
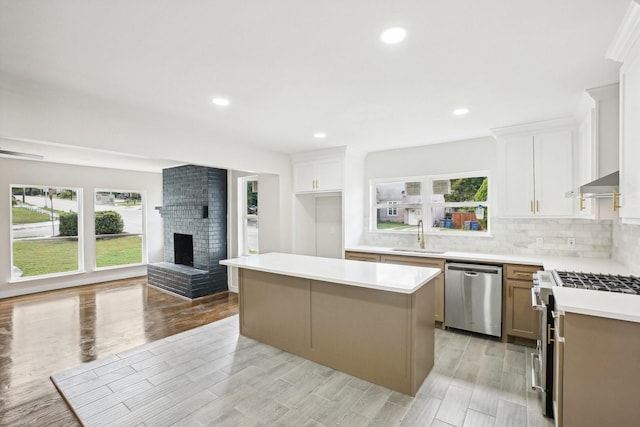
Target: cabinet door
[304, 177]
[522, 320]
[518, 197]
[629, 141]
[439, 280]
[328, 175]
[553, 160]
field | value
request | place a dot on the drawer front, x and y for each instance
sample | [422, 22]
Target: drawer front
[362, 256]
[413, 260]
[521, 272]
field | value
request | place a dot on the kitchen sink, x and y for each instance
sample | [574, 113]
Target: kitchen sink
[419, 251]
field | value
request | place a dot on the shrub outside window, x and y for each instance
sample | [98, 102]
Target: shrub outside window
[45, 238]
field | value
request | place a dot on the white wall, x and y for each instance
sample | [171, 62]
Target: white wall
[509, 235]
[50, 115]
[88, 179]
[459, 156]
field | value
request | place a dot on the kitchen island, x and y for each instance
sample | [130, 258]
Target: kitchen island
[373, 321]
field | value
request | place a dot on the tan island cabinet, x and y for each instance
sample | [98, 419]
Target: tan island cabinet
[371, 321]
[521, 320]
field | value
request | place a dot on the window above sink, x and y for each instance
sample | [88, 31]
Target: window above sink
[456, 204]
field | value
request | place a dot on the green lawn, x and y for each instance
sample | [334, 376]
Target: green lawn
[394, 226]
[39, 257]
[26, 216]
[118, 251]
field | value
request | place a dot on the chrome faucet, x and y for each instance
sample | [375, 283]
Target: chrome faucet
[421, 234]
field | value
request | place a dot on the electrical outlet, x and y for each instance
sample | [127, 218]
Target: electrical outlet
[539, 242]
[571, 242]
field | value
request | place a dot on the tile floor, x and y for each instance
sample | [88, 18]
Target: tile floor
[212, 376]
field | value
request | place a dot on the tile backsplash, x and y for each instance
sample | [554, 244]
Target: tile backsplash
[594, 239]
[626, 244]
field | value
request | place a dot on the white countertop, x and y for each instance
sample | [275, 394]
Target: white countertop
[582, 301]
[598, 303]
[386, 277]
[585, 265]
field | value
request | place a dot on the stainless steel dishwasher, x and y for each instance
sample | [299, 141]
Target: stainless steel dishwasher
[473, 298]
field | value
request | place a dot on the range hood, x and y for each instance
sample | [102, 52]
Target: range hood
[608, 184]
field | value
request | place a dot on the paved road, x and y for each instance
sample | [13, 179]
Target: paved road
[132, 217]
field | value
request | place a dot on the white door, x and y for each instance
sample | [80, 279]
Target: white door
[304, 177]
[329, 175]
[518, 197]
[329, 227]
[553, 157]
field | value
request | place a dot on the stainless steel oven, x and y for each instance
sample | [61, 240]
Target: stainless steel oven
[542, 359]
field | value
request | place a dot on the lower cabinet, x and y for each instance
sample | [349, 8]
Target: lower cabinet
[424, 262]
[596, 373]
[409, 260]
[521, 320]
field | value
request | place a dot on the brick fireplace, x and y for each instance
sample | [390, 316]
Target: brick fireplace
[194, 213]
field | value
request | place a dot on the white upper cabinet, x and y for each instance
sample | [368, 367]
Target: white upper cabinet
[597, 151]
[537, 165]
[318, 176]
[625, 48]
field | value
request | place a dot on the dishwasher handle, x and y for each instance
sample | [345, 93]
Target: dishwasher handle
[471, 273]
[473, 268]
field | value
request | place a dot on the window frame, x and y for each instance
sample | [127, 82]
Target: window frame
[244, 216]
[144, 258]
[80, 237]
[426, 206]
[392, 211]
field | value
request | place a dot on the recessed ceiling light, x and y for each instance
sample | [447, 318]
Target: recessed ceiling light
[393, 35]
[460, 111]
[220, 102]
[319, 135]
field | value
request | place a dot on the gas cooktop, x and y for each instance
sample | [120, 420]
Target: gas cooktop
[599, 282]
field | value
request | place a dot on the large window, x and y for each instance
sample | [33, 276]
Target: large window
[457, 204]
[405, 196]
[248, 215]
[119, 221]
[45, 238]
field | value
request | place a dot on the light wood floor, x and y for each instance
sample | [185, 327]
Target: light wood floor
[45, 333]
[475, 381]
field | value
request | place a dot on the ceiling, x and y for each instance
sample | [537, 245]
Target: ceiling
[291, 68]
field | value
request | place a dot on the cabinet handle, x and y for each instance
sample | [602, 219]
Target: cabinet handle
[531, 205]
[581, 205]
[537, 205]
[615, 201]
[549, 339]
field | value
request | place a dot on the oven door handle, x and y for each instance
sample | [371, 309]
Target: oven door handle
[556, 324]
[534, 300]
[534, 384]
